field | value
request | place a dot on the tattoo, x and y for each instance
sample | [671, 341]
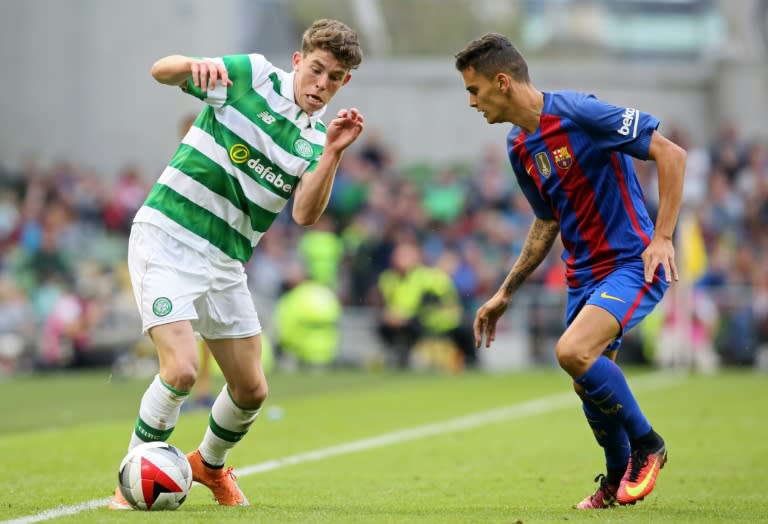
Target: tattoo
[541, 237]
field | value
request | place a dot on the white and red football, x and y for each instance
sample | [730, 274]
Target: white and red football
[155, 476]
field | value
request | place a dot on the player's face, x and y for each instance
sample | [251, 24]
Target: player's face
[318, 76]
[484, 95]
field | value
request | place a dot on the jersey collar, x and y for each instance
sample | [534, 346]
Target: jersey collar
[300, 117]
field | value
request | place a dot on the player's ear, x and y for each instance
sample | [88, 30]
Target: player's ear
[296, 60]
[347, 79]
[503, 82]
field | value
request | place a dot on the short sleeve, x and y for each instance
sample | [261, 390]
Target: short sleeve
[541, 207]
[614, 128]
[245, 71]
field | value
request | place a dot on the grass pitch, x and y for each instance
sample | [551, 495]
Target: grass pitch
[396, 448]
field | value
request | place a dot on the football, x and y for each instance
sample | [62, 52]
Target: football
[155, 476]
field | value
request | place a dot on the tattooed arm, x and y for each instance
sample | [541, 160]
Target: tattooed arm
[541, 237]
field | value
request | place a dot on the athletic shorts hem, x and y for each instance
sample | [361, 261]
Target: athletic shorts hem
[163, 321]
[248, 334]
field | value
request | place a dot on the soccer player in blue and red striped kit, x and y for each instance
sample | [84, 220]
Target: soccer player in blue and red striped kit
[571, 155]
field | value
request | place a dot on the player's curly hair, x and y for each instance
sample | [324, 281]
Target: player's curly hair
[493, 53]
[335, 37]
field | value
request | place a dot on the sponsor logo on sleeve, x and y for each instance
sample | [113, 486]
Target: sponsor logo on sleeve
[629, 120]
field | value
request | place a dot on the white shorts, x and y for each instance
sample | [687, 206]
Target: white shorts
[173, 282]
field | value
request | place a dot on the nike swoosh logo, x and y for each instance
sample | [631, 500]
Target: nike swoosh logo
[610, 297]
[636, 491]
[528, 169]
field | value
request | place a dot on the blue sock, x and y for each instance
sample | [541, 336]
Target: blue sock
[612, 438]
[606, 385]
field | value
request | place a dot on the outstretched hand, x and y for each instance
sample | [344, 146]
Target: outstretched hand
[344, 129]
[487, 317]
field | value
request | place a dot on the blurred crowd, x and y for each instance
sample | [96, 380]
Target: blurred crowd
[65, 297]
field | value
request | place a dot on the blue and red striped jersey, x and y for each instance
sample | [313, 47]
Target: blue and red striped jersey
[576, 168]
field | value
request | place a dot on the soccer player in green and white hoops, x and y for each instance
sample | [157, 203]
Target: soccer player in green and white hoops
[257, 142]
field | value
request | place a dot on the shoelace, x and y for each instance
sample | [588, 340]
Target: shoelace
[608, 496]
[221, 482]
[224, 474]
[603, 483]
[639, 459]
[229, 472]
[600, 478]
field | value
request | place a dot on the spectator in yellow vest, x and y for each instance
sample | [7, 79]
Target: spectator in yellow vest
[307, 321]
[418, 301]
[321, 250]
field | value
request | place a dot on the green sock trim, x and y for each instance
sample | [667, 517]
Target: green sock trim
[225, 434]
[238, 405]
[173, 390]
[149, 434]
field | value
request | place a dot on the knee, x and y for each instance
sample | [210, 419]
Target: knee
[573, 359]
[249, 396]
[181, 376]
[177, 353]
[580, 391]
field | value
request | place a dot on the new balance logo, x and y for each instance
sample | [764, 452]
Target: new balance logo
[266, 117]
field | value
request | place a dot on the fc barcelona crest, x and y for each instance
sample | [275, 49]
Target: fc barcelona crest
[542, 162]
[563, 158]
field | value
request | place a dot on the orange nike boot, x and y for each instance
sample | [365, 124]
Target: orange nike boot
[640, 477]
[221, 481]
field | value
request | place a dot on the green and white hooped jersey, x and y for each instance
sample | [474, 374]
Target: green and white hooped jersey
[240, 162]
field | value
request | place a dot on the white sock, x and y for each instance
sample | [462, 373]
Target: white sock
[158, 413]
[227, 425]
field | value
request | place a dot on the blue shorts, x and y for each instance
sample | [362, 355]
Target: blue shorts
[623, 293]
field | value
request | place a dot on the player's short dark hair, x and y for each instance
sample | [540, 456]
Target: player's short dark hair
[335, 37]
[493, 53]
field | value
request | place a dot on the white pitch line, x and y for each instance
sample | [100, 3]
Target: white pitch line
[512, 412]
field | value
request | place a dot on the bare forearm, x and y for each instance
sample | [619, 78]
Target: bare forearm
[172, 70]
[314, 190]
[671, 172]
[541, 237]
[670, 165]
